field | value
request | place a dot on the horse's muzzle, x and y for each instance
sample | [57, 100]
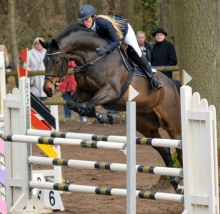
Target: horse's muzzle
[48, 92]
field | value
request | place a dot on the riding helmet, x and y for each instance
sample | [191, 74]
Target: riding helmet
[86, 11]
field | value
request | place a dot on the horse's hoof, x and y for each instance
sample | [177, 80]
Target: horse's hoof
[103, 118]
[179, 189]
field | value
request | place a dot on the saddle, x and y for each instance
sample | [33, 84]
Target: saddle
[129, 63]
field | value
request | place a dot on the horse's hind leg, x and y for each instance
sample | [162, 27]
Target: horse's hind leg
[167, 158]
[163, 151]
[179, 156]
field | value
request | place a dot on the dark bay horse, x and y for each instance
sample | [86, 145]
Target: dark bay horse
[99, 81]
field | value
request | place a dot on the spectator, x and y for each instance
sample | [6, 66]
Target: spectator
[35, 63]
[7, 61]
[145, 47]
[67, 86]
[163, 53]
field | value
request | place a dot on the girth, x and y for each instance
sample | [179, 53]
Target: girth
[127, 81]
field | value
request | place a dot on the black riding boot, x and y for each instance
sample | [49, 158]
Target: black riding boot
[143, 64]
[156, 84]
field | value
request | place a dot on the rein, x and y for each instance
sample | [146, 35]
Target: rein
[82, 68]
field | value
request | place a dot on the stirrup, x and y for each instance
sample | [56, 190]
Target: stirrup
[158, 85]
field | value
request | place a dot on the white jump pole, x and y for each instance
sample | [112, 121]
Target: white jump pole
[111, 138]
[60, 141]
[106, 191]
[117, 167]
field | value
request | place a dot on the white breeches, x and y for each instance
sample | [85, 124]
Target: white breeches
[130, 39]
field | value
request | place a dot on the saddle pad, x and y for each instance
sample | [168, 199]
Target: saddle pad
[136, 70]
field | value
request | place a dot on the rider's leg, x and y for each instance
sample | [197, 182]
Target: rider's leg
[137, 56]
[146, 66]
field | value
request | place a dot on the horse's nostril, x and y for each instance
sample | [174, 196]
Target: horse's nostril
[48, 92]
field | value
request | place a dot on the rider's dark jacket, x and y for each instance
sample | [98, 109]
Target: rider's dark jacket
[105, 30]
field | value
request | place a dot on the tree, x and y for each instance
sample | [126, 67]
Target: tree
[11, 7]
[164, 19]
[197, 39]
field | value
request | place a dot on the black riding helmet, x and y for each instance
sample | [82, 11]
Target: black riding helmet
[86, 11]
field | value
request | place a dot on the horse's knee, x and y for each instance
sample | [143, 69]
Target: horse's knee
[71, 104]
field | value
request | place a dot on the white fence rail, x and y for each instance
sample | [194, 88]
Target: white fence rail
[199, 143]
[200, 161]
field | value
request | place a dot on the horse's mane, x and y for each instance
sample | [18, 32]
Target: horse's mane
[72, 28]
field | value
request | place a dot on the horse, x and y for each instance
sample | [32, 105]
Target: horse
[103, 80]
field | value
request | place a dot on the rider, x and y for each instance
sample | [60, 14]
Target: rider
[115, 28]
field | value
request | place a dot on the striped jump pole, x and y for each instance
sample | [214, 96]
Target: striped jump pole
[106, 191]
[122, 139]
[61, 141]
[117, 167]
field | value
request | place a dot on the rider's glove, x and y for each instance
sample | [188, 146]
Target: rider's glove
[101, 51]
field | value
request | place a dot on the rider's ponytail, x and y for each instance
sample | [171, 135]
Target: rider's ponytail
[117, 24]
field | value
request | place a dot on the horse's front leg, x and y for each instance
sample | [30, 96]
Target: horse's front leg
[77, 97]
[107, 93]
[82, 111]
[71, 104]
[103, 118]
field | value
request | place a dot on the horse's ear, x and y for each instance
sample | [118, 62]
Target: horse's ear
[44, 44]
[55, 44]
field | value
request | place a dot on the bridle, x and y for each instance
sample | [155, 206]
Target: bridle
[61, 68]
[78, 69]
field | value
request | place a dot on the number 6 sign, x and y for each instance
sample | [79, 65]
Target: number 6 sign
[50, 198]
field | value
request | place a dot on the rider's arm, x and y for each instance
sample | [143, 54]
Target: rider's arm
[105, 30]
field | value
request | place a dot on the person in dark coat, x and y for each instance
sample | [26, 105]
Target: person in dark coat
[145, 47]
[163, 53]
[114, 29]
